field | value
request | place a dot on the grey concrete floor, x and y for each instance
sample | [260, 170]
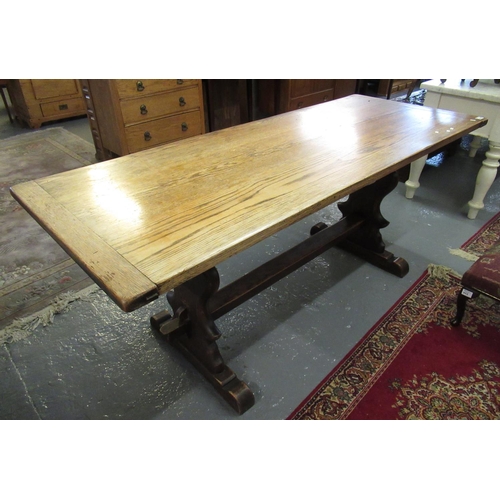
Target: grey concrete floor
[96, 362]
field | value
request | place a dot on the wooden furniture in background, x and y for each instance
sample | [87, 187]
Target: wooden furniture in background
[127, 116]
[39, 101]
[3, 86]
[228, 102]
[279, 96]
[233, 102]
[389, 87]
[161, 220]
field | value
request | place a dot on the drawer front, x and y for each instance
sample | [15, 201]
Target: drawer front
[50, 89]
[63, 107]
[155, 132]
[158, 105]
[310, 100]
[136, 88]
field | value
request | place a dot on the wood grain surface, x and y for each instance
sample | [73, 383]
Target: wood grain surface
[144, 223]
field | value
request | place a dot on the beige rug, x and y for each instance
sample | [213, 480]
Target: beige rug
[34, 271]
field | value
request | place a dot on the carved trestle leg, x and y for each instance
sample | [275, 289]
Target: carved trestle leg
[197, 338]
[366, 241]
[485, 177]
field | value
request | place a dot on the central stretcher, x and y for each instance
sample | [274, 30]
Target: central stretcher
[159, 221]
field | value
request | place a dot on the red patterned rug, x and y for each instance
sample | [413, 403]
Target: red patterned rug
[414, 365]
[484, 238]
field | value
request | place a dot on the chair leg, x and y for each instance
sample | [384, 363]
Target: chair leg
[464, 295]
[6, 105]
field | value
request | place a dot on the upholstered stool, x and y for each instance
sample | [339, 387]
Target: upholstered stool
[483, 277]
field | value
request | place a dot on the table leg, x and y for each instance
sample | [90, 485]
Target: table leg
[474, 146]
[485, 178]
[366, 241]
[197, 339]
[412, 183]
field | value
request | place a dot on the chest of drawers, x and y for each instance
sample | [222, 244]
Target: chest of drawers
[280, 96]
[39, 101]
[127, 116]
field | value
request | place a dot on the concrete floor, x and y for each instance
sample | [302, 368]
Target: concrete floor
[96, 362]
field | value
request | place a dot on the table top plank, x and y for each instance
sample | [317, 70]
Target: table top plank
[109, 269]
[177, 210]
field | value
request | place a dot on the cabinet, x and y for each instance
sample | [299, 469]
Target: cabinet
[39, 101]
[389, 87]
[127, 116]
[280, 96]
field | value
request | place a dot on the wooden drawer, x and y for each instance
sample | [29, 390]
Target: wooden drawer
[310, 100]
[50, 89]
[163, 130]
[58, 108]
[136, 88]
[158, 105]
[300, 88]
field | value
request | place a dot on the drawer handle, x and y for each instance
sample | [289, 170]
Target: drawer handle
[144, 110]
[140, 86]
[180, 82]
[184, 126]
[182, 101]
[147, 136]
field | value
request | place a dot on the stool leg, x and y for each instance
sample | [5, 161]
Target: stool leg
[464, 295]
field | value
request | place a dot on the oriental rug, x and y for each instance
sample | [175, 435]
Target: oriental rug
[484, 238]
[413, 364]
[34, 270]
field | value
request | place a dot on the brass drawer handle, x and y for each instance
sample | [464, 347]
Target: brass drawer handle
[182, 101]
[184, 126]
[144, 110]
[180, 82]
[140, 86]
[147, 136]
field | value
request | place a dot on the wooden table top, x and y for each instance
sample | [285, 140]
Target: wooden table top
[144, 223]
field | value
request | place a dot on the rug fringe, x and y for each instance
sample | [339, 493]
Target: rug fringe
[441, 272]
[462, 253]
[23, 327]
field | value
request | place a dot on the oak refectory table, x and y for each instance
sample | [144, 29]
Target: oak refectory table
[159, 221]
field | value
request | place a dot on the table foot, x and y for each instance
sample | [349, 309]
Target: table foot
[384, 260]
[193, 332]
